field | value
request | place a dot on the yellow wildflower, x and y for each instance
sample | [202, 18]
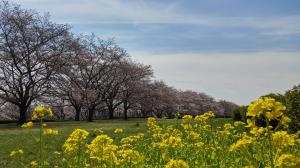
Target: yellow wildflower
[206, 126]
[102, 149]
[238, 123]
[266, 106]
[250, 123]
[129, 156]
[187, 126]
[288, 160]
[202, 118]
[282, 139]
[174, 142]
[228, 126]
[33, 163]
[50, 132]
[151, 121]
[197, 145]
[165, 156]
[187, 118]
[118, 130]
[241, 143]
[209, 114]
[133, 138]
[285, 121]
[56, 153]
[176, 164]
[75, 141]
[98, 131]
[258, 131]
[16, 152]
[41, 112]
[250, 166]
[193, 136]
[27, 125]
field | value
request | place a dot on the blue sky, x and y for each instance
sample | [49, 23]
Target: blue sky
[236, 50]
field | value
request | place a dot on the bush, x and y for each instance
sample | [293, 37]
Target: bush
[239, 114]
[292, 103]
[291, 100]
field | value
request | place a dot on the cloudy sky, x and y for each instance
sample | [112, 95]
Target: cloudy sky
[236, 50]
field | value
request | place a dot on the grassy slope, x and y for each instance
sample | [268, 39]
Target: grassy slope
[12, 137]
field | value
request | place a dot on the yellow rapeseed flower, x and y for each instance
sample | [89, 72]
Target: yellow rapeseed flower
[187, 118]
[50, 132]
[285, 121]
[282, 139]
[174, 142]
[258, 131]
[129, 156]
[176, 164]
[266, 106]
[118, 130]
[250, 166]
[16, 152]
[75, 140]
[27, 125]
[250, 123]
[151, 121]
[98, 131]
[197, 145]
[101, 149]
[192, 135]
[202, 118]
[241, 143]
[228, 126]
[132, 139]
[187, 126]
[56, 153]
[41, 112]
[288, 160]
[238, 123]
[33, 163]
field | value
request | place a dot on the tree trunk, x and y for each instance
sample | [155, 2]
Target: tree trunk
[77, 114]
[125, 106]
[23, 117]
[91, 114]
[111, 112]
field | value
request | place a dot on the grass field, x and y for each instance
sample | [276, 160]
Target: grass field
[13, 137]
[199, 141]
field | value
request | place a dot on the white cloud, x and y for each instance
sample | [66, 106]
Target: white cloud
[239, 77]
[147, 12]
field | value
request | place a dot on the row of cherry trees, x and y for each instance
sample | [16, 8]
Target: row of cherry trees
[43, 63]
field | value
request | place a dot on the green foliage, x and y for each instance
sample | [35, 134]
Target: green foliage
[239, 114]
[291, 100]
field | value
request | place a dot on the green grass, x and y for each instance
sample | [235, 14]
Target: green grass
[13, 137]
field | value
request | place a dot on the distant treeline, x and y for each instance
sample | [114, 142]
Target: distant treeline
[82, 77]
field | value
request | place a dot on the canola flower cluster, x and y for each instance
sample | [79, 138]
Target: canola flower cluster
[41, 112]
[271, 136]
[193, 141]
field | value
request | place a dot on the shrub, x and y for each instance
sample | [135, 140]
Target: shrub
[239, 114]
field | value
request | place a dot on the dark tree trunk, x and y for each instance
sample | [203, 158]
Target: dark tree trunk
[22, 112]
[125, 106]
[110, 112]
[62, 115]
[91, 114]
[77, 114]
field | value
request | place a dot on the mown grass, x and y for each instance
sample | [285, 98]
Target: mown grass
[13, 137]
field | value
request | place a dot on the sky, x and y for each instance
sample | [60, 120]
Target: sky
[237, 50]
